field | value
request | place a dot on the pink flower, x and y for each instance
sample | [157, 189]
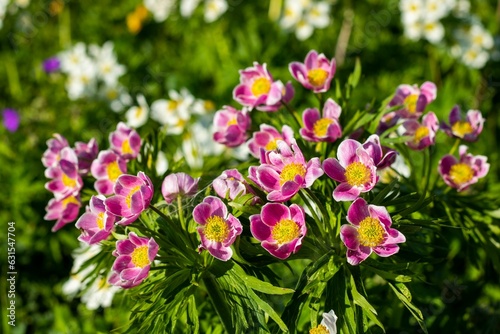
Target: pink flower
[96, 224]
[468, 129]
[413, 99]
[316, 73]
[64, 211]
[382, 156]
[106, 169]
[266, 139]
[257, 89]
[133, 260]
[52, 155]
[231, 126]
[369, 230]
[460, 174]
[285, 172]
[132, 196]
[424, 134]
[326, 128]
[230, 184]
[218, 228]
[125, 141]
[355, 169]
[86, 153]
[65, 178]
[178, 184]
[279, 228]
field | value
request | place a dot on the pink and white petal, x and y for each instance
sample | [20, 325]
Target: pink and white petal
[309, 117]
[104, 187]
[297, 214]
[201, 213]
[268, 178]
[278, 196]
[272, 213]
[142, 275]
[380, 213]
[355, 257]
[358, 211]
[334, 169]
[260, 231]
[117, 205]
[122, 263]
[290, 188]
[130, 273]
[87, 221]
[394, 237]
[349, 236]
[313, 171]
[347, 152]
[125, 246]
[331, 109]
[274, 249]
[345, 192]
[386, 250]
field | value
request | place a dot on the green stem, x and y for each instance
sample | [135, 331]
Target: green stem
[293, 113]
[455, 146]
[181, 212]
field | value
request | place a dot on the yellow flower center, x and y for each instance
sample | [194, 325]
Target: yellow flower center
[128, 199]
[320, 329]
[461, 173]
[317, 77]
[68, 182]
[371, 232]
[172, 105]
[261, 86]
[113, 171]
[410, 103]
[320, 127]
[68, 200]
[140, 257]
[216, 229]
[357, 174]
[285, 231]
[272, 145]
[421, 133]
[126, 149]
[290, 171]
[232, 121]
[100, 220]
[138, 112]
[461, 128]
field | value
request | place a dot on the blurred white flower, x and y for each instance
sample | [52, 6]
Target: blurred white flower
[137, 116]
[433, 31]
[161, 164]
[187, 7]
[318, 15]
[99, 294]
[108, 69]
[304, 16]
[214, 9]
[480, 37]
[160, 9]
[475, 57]
[411, 11]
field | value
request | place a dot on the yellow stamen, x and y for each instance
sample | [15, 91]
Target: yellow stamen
[67, 181]
[371, 232]
[285, 231]
[317, 77]
[216, 229]
[128, 199]
[140, 257]
[461, 128]
[357, 174]
[461, 173]
[126, 149]
[68, 200]
[320, 127]
[261, 86]
[100, 220]
[172, 105]
[272, 145]
[410, 103]
[290, 171]
[320, 329]
[232, 121]
[421, 133]
[113, 170]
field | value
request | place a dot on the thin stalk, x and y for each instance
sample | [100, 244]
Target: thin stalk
[293, 113]
[181, 212]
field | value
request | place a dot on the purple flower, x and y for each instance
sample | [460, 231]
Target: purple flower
[52, 155]
[106, 169]
[96, 224]
[257, 89]
[132, 196]
[231, 126]
[382, 156]
[369, 230]
[266, 139]
[354, 169]
[52, 64]
[86, 153]
[178, 184]
[285, 172]
[133, 260]
[316, 73]
[468, 129]
[322, 129]
[65, 178]
[279, 228]
[424, 134]
[218, 228]
[11, 119]
[413, 99]
[125, 141]
[64, 211]
[460, 174]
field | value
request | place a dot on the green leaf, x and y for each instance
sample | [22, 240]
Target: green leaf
[405, 296]
[353, 79]
[268, 310]
[360, 300]
[265, 287]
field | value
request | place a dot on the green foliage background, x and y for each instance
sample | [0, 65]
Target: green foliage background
[458, 295]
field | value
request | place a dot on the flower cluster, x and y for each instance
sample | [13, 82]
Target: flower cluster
[162, 9]
[305, 16]
[471, 41]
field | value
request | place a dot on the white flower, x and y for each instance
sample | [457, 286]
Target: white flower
[329, 323]
[214, 9]
[198, 143]
[292, 14]
[188, 6]
[79, 278]
[303, 30]
[99, 294]
[160, 9]
[414, 30]
[411, 11]
[82, 80]
[435, 10]
[161, 164]
[117, 96]
[462, 8]
[480, 37]
[318, 15]
[475, 57]
[137, 116]
[72, 59]
[433, 31]
[108, 69]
